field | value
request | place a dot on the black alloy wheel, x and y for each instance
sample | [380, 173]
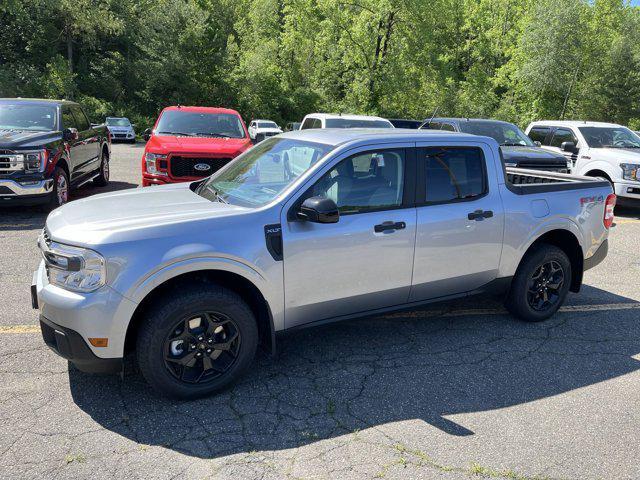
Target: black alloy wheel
[545, 286]
[201, 348]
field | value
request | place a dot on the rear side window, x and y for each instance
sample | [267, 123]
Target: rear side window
[447, 127]
[538, 134]
[562, 135]
[453, 173]
[311, 122]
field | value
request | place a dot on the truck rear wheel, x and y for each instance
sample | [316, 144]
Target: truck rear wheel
[540, 285]
[197, 342]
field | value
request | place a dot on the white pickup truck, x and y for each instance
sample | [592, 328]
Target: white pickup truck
[596, 149]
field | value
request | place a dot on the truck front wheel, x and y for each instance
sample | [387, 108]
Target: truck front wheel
[196, 342]
[540, 285]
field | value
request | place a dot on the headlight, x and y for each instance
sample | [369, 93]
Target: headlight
[630, 171]
[33, 161]
[156, 164]
[73, 268]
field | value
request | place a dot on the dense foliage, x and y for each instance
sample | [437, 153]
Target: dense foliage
[516, 60]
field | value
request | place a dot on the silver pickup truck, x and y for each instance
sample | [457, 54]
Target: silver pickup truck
[305, 228]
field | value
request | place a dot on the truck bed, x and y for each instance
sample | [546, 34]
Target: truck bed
[524, 182]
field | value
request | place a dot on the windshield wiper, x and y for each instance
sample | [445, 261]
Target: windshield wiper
[211, 134]
[184, 134]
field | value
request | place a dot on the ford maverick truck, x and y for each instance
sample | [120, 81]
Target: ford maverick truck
[305, 228]
[48, 147]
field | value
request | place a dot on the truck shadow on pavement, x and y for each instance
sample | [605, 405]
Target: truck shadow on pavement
[337, 379]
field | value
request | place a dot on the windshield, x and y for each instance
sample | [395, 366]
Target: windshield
[347, 123]
[259, 175]
[199, 124]
[610, 137]
[118, 122]
[506, 134]
[267, 125]
[39, 118]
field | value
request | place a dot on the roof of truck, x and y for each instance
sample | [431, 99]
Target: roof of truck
[202, 109]
[338, 136]
[37, 100]
[571, 123]
[345, 116]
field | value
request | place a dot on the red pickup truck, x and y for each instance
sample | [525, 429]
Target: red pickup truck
[189, 143]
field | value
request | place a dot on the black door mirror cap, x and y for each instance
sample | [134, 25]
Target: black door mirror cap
[147, 134]
[319, 210]
[568, 147]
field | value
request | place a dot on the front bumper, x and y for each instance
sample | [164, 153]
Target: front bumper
[69, 344]
[103, 313]
[627, 190]
[12, 192]
[152, 180]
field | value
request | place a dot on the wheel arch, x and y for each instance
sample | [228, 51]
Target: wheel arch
[596, 172]
[566, 241]
[242, 286]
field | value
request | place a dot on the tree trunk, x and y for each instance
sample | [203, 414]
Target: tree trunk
[69, 49]
[566, 97]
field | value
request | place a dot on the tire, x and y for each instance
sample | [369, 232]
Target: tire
[539, 272]
[61, 188]
[170, 340]
[102, 180]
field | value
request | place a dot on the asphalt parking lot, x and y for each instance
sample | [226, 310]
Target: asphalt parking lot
[460, 390]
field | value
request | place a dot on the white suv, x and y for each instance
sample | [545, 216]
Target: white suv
[595, 149]
[332, 120]
[261, 129]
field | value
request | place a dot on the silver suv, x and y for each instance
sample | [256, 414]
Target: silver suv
[305, 228]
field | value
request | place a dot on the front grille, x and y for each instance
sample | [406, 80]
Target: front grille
[547, 168]
[10, 162]
[185, 166]
[119, 135]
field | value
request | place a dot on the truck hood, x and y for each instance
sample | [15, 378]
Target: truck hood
[94, 220]
[623, 155]
[532, 156]
[206, 145]
[17, 139]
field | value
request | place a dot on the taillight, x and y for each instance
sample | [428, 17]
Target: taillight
[609, 205]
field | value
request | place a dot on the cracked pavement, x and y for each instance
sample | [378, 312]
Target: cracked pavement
[459, 390]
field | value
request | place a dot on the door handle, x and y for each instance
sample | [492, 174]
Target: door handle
[480, 215]
[389, 226]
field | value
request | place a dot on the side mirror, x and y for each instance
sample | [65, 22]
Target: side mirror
[70, 134]
[568, 147]
[319, 210]
[147, 134]
[538, 143]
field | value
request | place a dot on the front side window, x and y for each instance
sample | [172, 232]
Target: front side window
[257, 176]
[562, 135]
[68, 120]
[506, 134]
[81, 118]
[538, 134]
[365, 182]
[453, 173]
[356, 123]
[199, 124]
[310, 122]
[610, 137]
[40, 118]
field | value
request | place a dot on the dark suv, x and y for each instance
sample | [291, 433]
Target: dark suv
[48, 147]
[518, 150]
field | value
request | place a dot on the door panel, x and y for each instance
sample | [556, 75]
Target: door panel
[458, 242]
[88, 143]
[364, 261]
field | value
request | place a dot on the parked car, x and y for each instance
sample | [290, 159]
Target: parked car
[121, 129]
[597, 150]
[188, 143]
[291, 126]
[48, 147]
[518, 150]
[404, 123]
[194, 276]
[261, 129]
[330, 120]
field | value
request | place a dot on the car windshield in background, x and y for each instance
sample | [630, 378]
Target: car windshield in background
[39, 118]
[347, 123]
[199, 124]
[267, 125]
[118, 122]
[610, 137]
[259, 175]
[505, 134]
